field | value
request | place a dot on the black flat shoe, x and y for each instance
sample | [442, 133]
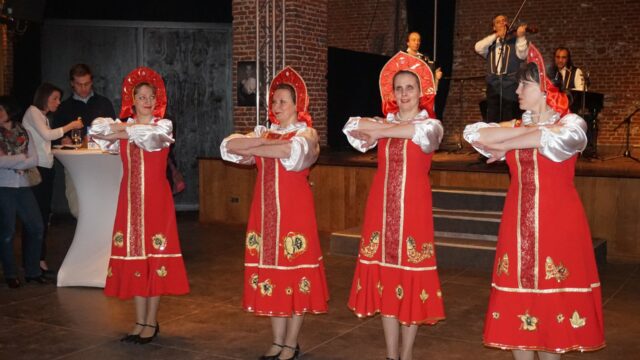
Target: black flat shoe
[296, 352]
[13, 283]
[39, 279]
[49, 274]
[131, 337]
[272, 357]
[145, 340]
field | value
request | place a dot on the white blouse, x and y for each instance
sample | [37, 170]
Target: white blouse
[149, 137]
[304, 146]
[41, 134]
[568, 137]
[427, 132]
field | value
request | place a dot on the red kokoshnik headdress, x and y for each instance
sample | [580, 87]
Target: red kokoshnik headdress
[405, 62]
[289, 76]
[556, 99]
[135, 77]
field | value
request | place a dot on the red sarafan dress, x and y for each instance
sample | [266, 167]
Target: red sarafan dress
[545, 293]
[145, 251]
[284, 271]
[396, 273]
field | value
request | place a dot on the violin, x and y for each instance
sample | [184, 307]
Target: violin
[531, 29]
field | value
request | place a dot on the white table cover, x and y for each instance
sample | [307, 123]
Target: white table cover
[96, 176]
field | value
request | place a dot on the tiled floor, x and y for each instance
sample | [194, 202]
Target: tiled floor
[45, 322]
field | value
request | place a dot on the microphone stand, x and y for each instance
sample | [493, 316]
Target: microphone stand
[627, 150]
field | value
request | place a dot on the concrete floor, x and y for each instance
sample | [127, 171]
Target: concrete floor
[45, 322]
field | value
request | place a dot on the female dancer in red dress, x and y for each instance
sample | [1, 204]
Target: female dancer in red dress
[145, 258]
[396, 270]
[284, 274]
[545, 294]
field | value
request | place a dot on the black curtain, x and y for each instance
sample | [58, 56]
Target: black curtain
[420, 18]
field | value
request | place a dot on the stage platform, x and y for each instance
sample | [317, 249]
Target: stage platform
[610, 191]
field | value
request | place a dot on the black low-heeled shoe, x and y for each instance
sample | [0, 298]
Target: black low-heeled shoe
[296, 352]
[145, 340]
[39, 279]
[49, 274]
[131, 337]
[13, 283]
[272, 357]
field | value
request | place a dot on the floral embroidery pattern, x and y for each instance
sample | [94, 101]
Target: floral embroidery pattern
[118, 239]
[288, 290]
[304, 285]
[496, 315]
[253, 281]
[560, 318]
[374, 242]
[137, 274]
[380, 287]
[266, 287]
[503, 265]
[159, 241]
[577, 321]
[253, 243]
[415, 256]
[109, 273]
[439, 293]
[162, 272]
[399, 292]
[558, 272]
[424, 296]
[529, 322]
[294, 245]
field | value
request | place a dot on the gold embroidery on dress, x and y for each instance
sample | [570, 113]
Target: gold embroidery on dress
[399, 292]
[294, 245]
[415, 256]
[380, 287]
[577, 321]
[266, 287]
[424, 296]
[496, 315]
[253, 281]
[304, 285]
[109, 273]
[253, 242]
[528, 322]
[560, 318]
[288, 290]
[358, 286]
[503, 265]
[439, 293]
[162, 272]
[118, 239]
[558, 272]
[374, 242]
[159, 241]
[137, 274]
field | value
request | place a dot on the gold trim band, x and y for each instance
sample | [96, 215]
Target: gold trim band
[545, 291]
[376, 262]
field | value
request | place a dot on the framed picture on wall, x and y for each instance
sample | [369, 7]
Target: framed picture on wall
[247, 83]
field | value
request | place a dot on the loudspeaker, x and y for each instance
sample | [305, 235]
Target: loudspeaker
[30, 10]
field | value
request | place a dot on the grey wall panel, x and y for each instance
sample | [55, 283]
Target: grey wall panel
[193, 59]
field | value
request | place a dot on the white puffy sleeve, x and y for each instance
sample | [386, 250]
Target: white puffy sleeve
[304, 150]
[428, 135]
[564, 140]
[152, 137]
[102, 126]
[471, 134]
[352, 124]
[240, 159]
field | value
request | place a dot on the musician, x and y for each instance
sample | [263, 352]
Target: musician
[413, 48]
[563, 68]
[504, 55]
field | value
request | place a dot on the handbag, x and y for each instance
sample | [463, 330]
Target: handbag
[33, 176]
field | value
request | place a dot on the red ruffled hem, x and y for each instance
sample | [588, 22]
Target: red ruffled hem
[154, 276]
[284, 292]
[413, 297]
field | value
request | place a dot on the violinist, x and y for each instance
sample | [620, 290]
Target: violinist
[504, 54]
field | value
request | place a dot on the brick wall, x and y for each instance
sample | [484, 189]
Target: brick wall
[306, 51]
[367, 26]
[602, 36]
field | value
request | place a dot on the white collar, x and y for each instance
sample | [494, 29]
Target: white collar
[422, 115]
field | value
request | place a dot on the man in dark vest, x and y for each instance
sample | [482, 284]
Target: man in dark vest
[504, 55]
[572, 76]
